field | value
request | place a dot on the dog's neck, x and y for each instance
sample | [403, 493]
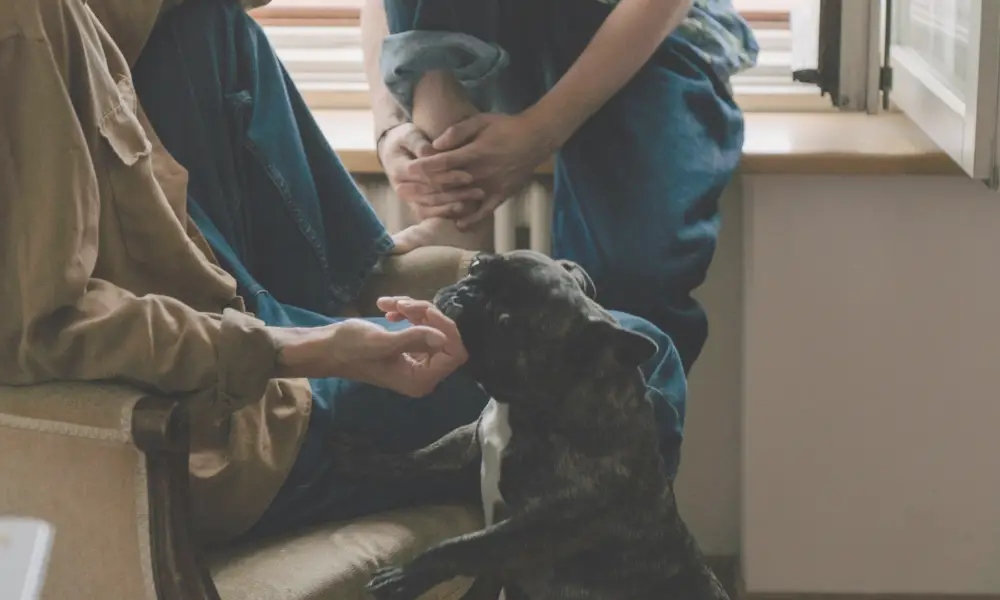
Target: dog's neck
[544, 406]
[526, 398]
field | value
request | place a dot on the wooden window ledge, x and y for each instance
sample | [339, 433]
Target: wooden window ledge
[776, 144]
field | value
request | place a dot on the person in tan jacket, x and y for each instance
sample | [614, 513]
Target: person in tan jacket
[171, 216]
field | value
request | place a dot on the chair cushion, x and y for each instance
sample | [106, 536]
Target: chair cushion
[334, 562]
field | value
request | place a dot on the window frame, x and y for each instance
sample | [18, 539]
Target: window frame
[309, 13]
[766, 88]
[861, 36]
[966, 130]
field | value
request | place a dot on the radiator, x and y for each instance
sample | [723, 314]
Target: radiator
[524, 221]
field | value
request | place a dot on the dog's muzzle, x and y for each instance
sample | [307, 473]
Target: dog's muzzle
[460, 299]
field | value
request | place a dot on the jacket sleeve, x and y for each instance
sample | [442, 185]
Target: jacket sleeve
[59, 322]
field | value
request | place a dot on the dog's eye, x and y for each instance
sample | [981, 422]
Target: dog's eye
[477, 264]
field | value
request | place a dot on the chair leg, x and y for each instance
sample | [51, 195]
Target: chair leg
[180, 572]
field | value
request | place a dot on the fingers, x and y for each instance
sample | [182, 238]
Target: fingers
[395, 304]
[460, 133]
[420, 370]
[388, 303]
[436, 319]
[448, 211]
[424, 195]
[413, 170]
[484, 210]
[390, 306]
[418, 312]
[416, 143]
[414, 311]
[452, 160]
[401, 156]
[428, 352]
[406, 240]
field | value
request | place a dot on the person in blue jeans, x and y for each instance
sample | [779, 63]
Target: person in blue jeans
[284, 217]
[631, 96]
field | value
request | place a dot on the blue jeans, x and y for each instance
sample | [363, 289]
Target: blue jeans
[637, 187]
[285, 219]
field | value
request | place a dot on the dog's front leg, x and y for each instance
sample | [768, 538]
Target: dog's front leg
[354, 456]
[535, 539]
[484, 588]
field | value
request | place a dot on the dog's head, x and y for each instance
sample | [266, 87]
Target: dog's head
[530, 324]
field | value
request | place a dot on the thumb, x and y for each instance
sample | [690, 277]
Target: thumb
[460, 133]
[417, 144]
[485, 209]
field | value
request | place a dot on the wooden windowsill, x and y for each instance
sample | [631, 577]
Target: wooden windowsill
[309, 13]
[775, 144]
[346, 12]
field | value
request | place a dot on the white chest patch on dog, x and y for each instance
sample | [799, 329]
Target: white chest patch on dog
[494, 434]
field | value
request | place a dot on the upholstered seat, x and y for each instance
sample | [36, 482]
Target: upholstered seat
[335, 561]
[107, 467]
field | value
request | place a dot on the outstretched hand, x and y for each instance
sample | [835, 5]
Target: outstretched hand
[410, 361]
[424, 314]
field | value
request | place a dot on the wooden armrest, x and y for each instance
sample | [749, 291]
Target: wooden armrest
[99, 411]
[109, 412]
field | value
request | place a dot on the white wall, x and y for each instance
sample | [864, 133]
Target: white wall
[708, 485]
[871, 401]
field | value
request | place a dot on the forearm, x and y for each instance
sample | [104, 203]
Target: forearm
[155, 342]
[374, 29]
[61, 320]
[623, 44]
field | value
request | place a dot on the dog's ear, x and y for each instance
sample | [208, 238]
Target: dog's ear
[581, 277]
[630, 348]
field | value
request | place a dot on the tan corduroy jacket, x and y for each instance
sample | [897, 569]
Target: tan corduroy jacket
[102, 272]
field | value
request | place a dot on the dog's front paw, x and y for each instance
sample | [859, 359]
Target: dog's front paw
[394, 583]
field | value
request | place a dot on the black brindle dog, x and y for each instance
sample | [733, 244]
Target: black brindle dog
[576, 501]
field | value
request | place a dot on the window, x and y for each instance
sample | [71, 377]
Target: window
[319, 42]
[938, 61]
[769, 85]
[945, 56]
[310, 13]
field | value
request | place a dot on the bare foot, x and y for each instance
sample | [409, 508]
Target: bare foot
[443, 232]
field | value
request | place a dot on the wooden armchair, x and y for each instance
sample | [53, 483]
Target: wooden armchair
[107, 466]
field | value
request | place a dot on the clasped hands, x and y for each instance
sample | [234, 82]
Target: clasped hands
[469, 170]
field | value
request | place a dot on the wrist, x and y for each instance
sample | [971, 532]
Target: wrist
[381, 138]
[301, 351]
[388, 114]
